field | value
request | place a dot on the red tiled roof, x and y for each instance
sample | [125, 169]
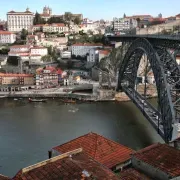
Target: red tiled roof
[132, 174]
[103, 150]
[105, 52]
[141, 16]
[69, 166]
[15, 75]
[2, 177]
[38, 47]
[87, 44]
[14, 12]
[161, 156]
[45, 15]
[59, 71]
[6, 33]
[20, 46]
[31, 35]
[158, 19]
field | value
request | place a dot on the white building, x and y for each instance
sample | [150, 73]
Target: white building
[58, 27]
[42, 51]
[28, 53]
[95, 55]
[83, 49]
[16, 21]
[66, 55]
[121, 24]
[7, 37]
[55, 27]
[19, 50]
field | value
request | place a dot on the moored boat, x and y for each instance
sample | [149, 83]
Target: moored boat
[2, 97]
[69, 101]
[37, 100]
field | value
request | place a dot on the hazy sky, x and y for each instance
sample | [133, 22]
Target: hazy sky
[95, 9]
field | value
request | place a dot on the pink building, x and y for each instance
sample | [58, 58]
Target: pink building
[47, 77]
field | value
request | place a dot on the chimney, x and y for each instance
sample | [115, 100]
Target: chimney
[50, 154]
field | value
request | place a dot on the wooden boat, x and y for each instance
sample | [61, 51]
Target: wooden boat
[2, 97]
[69, 101]
[37, 100]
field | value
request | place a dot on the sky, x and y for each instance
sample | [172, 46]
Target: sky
[95, 9]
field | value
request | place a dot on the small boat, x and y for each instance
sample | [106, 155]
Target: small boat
[37, 100]
[69, 101]
[15, 99]
[2, 96]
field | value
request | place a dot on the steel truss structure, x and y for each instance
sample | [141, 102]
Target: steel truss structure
[166, 72]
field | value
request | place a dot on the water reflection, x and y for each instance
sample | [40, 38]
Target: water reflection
[29, 130]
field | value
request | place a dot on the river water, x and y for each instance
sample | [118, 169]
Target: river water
[29, 130]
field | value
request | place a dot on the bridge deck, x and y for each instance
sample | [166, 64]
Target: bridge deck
[147, 36]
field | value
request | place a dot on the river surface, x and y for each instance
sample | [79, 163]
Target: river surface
[29, 130]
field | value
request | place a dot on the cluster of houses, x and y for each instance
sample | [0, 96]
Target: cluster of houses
[46, 77]
[93, 156]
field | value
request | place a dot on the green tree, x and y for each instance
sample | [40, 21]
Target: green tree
[69, 64]
[68, 18]
[24, 34]
[4, 51]
[50, 50]
[38, 19]
[77, 20]
[46, 58]
[55, 20]
[12, 60]
[138, 21]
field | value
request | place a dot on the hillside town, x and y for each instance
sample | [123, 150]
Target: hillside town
[69, 57]
[60, 44]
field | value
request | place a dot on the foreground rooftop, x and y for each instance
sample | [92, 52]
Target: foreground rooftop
[160, 157]
[75, 165]
[103, 150]
[132, 174]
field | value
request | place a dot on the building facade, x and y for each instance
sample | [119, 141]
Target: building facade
[123, 24]
[7, 37]
[16, 79]
[55, 27]
[31, 54]
[42, 51]
[47, 13]
[16, 21]
[47, 77]
[19, 50]
[83, 49]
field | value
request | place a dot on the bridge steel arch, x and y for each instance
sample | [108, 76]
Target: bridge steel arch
[166, 73]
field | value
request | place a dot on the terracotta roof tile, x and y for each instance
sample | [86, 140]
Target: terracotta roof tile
[38, 47]
[103, 150]
[105, 52]
[15, 75]
[20, 46]
[132, 174]
[161, 156]
[2, 177]
[87, 44]
[67, 167]
[5, 33]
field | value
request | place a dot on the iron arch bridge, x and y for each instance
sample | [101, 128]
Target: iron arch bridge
[160, 52]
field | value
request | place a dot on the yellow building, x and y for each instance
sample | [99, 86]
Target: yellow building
[16, 79]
